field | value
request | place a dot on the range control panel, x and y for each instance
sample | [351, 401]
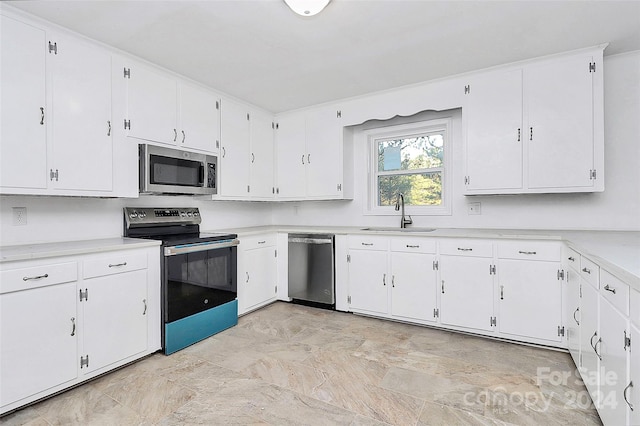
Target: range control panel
[157, 216]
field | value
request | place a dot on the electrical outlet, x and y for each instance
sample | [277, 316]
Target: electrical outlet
[474, 208]
[19, 216]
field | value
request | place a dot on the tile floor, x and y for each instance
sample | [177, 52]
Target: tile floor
[293, 365]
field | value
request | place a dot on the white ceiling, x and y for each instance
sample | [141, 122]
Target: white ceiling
[260, 51]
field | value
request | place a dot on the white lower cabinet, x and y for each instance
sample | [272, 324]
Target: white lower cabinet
[589, 335]
[69, 320]
[38, 335]
[413, 286]
[572, 313]
[632, 389]
[368, 276]
[257, 272]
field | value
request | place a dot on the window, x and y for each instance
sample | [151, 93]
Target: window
[410, 159]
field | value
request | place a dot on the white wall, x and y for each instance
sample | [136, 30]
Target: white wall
[617, 208]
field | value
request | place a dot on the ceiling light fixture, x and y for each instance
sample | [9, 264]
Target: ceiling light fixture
[307, 7]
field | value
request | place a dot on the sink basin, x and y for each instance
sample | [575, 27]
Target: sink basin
[396, 229]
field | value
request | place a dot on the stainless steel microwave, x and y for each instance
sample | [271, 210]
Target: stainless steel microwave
[173, 171]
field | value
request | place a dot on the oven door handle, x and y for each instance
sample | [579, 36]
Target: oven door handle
[196, 247]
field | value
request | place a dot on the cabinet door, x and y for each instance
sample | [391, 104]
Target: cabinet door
[81, 146]
[559, 106]
[530, 299]
[571, 302]
[413, 286]
[290, 157]
[152, 105]
[613, 367]
[633, 392]
[466, 292]
[234, 167]
[23, 117]
[324, 153]
[38, 334]
[262, 148]
[493, 117]
[259, 279]
[199, 119]
[115, 318]
[368, 279]
[589, 335]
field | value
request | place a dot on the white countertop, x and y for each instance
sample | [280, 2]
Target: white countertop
[616, 251]
[69, 248]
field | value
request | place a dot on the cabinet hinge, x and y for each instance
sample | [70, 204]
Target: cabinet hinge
[560, 274]
[435, 265]
[592, 67]
[54, 175]
[467, 89]
[560, 331]
[592, 175]
[127, 73]
[348, 258]
[467, 180]
[248, 188]
[127, 124]
[339, 187]
[218, 144]
[493, 321]
[277, 126]
[339, 114]
[436, 313]
[84, 361]
[273, 125]
[275, 253]
[217, 104]
[492, 269]
[53, 47]
[276, 289]
[349, 299]
[627, 341]
[84, 294]
[248, 117]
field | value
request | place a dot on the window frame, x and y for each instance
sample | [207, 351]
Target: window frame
[373, 136]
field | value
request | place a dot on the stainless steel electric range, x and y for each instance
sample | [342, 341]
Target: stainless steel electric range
[199, 273]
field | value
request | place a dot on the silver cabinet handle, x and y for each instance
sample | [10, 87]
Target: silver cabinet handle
[530, 133]
[224, 152]
[302, 158]
[574, 315]
[247, 277]
[518, 134]
[464, 249]
[595, 348]
[41, 116]
[115, 265]
[253, 158]
[501, 292]
[308, 158]
[183, 136]
[144, 301]
[37, 277]
[262, 242]
[595, 334]
[108, 127]
[442, 286]
[571, 259]
[588, 271]
[624, 394]
[175, 135]
[393, 280]
[384, 279]
[367, 244]
[410, 246]
[73, 326]
[609, 288]
[527, 252]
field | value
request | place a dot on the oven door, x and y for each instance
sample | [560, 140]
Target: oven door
[198, 277]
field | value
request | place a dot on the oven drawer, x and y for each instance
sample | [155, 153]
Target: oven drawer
[114, 264]
[37, 276]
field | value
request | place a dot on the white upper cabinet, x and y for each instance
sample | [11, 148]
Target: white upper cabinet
[261, 179]
[536, 128]
[493, 116]
[81, 127]
[309, 154]
[163, 109]
[24, 113]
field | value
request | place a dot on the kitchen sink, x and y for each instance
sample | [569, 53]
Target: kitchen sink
[396, 229]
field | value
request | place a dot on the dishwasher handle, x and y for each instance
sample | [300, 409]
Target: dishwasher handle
[310, 240]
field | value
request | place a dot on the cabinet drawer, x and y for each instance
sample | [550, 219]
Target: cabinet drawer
[37, 276]
[530, 250]
[590, 271]
[413, 245]
[257, 241]
[114, 264]
[634, 307]
[475, 248]
[572, 258]
[367, 242]
[615, 291]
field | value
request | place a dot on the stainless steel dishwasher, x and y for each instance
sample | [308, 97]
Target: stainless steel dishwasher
[311, 270]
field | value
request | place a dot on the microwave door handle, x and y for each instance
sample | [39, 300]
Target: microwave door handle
[202, 183]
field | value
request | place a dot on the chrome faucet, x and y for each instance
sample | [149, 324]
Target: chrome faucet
[404, 220]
